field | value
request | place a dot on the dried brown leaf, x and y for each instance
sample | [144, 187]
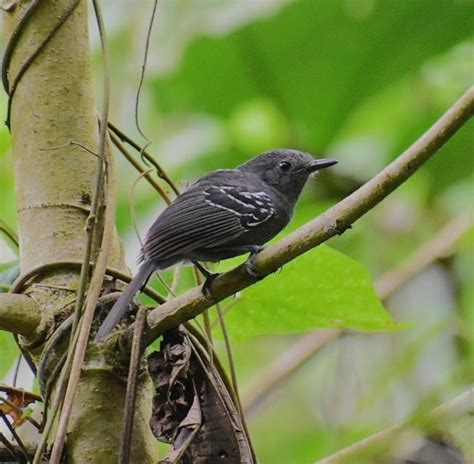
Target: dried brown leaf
[192, 408]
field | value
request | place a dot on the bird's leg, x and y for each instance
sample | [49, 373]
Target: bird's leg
[251, 260]
[210, 276]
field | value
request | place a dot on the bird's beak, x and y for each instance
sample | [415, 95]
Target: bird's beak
[321, 164]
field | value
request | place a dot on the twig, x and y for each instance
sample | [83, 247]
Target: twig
[61, 331]
[9, 447]
[15, 436]
[285, 365]
[14, 390]
[58, 400]
[200, 337]
[142, 74]
[13, 41]
[431, 251]
[136, 164]
[282, 367]
[230, 358]
[61, 20]
[159, 170]
[175, 280]
[19, 284]
[9, 232]
[21, 411]
[17, 370]
[205, 314]
[131, 395]
[334, 221]
[131, 199]
[68, 144]
[462, 401]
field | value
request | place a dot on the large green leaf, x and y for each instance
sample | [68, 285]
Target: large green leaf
[317, 60]
[322, 288]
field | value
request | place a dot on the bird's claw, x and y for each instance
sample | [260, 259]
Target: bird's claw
[206, 286]
[250, 262]
[249, 268]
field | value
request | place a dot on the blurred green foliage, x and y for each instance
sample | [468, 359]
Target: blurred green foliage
[358, 80]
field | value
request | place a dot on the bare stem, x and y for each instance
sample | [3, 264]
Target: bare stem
[440, 245]
[130, 398]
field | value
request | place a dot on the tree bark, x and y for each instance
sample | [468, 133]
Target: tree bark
[52, 106]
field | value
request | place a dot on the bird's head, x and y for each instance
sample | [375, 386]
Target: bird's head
[286, 170]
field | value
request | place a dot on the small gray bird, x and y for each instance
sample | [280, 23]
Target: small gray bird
[224, 214]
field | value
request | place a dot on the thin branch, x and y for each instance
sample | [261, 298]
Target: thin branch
[131, 395]
[230, 359]
[20, 283]
[307, 346]
[14, 390]
[436, 248]
[15, 436]
[8, 450]
[20, 411]
[13, 41]
[334, 221]
[457, 405]
[285, 365]
[25, 66]
[142, 73]
[53, 411]
[159, 170]
[139, 167]
[71, 143]
[17, 370]
[9, 232]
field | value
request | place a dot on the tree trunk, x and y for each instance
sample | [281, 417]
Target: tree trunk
[52, 106]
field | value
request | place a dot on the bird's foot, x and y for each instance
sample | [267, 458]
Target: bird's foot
[250, 262]
[210, 276]
[206, 286]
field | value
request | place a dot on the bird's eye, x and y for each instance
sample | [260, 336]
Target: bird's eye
[285, 166]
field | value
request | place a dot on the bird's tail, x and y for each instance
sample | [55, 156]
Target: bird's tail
[121, 305]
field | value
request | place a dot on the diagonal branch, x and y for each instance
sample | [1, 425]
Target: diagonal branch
[458, 405]
[334, 221]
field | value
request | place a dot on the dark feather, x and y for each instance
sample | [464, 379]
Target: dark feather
[189, 223]
[203, 217]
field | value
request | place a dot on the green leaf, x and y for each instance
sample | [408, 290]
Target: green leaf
[322, 288]
[8, 352]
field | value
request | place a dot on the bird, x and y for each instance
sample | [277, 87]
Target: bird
[226, 213]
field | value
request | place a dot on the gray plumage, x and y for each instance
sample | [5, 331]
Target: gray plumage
[224, 214]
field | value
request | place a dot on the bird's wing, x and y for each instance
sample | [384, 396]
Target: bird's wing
[205, 217]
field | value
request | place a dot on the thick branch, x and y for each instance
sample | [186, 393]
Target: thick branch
[19, 314]
[332, 222]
